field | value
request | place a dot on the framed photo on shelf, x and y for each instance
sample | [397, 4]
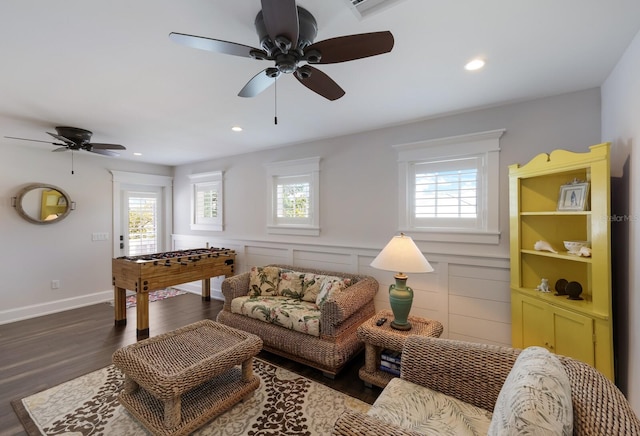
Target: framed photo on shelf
[573, 196]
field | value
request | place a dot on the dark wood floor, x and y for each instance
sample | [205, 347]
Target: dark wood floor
[43, 352]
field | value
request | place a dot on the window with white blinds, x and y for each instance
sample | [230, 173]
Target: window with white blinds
[143, 222]
[293, 190]
[206, 201]
[446, 193]
[293, 196]
[449, 188]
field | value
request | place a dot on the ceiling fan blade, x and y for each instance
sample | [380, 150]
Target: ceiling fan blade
[59, 149]
[281, 19]
[32, 140]
[351, 47]
[99, 146]
[319, 82]
[215, 45]
[105, 152]
[62, 138]
[259, 83]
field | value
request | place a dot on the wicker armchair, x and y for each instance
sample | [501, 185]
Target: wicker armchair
[475, 373]
[341, 315]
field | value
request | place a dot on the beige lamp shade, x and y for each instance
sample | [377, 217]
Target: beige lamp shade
[401, 254]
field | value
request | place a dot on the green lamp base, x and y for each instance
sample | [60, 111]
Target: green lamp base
[404, 327]
[400, 299]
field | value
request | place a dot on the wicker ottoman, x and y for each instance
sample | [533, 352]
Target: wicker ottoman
[178, 381]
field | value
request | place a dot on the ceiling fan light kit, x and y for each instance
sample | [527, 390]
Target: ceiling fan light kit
[286, 33]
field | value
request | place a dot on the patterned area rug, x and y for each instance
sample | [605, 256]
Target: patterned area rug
[156, 296]
[284, 404]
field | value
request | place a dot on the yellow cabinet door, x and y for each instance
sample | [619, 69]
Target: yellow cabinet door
[535, 323]
[561, 331]
[573, 335]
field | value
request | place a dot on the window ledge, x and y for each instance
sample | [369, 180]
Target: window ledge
[454, 236]
[294, 230]
[210, 227]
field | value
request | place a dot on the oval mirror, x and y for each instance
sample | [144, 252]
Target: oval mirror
[40, 203]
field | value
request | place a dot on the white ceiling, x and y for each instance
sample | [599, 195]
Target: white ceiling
[109, 67]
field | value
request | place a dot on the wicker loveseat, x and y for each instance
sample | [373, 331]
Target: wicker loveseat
[475, 374]
[307, 315]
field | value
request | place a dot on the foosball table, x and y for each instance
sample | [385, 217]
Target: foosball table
[151, 272]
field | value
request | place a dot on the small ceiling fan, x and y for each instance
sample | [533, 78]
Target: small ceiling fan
[73, 138]
[286, 32]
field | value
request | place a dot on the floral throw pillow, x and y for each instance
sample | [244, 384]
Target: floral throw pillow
[263, 281]
[311, 285]
[330, 286]
[291, 285]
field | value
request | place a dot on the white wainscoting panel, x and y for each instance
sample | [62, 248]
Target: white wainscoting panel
[327, 261]
[480, 304]
[255, 255]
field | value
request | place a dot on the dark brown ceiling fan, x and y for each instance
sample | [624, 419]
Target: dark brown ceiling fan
[73, 138]
[286, 32]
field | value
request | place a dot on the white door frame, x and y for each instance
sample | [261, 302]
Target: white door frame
[125, 178]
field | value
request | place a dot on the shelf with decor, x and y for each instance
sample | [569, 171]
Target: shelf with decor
[557, 197]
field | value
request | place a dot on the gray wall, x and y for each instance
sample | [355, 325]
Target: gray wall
[621, 126]
[33, 255]
[359, 174]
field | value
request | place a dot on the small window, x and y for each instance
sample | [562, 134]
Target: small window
[293, 199]
[293, 189]
[449, 188]
[446, 192]
[206, 201]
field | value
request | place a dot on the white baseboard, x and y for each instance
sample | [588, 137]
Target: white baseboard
[193, 288]
[35, 310]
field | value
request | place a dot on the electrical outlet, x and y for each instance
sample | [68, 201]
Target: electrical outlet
[55, 284]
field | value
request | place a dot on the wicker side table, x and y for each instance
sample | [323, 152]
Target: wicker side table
[178, 381]
[378, 338]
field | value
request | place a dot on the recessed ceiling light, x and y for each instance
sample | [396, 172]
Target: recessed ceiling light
[475, 64]
[236, 129]
[137, 154]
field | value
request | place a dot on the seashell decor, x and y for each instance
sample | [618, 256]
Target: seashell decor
[573, 247]
[584, 252]
[543, 246]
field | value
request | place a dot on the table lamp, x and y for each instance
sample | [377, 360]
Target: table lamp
[402, 255]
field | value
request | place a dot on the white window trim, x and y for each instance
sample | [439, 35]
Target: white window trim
[198, 180]
[299, 167]
[485, 144]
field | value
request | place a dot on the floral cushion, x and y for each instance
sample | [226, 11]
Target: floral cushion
[290, 284]
[329, 287]
[311, 285]
[264, 281]
[535, 398]
[291, 313]
[417, 408]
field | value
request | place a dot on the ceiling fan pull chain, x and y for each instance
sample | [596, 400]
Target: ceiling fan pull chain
[275, 100]
[72, 162]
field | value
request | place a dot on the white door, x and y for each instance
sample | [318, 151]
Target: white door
[142, 213]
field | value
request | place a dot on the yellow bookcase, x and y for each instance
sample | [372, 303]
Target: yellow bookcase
[582, 329]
